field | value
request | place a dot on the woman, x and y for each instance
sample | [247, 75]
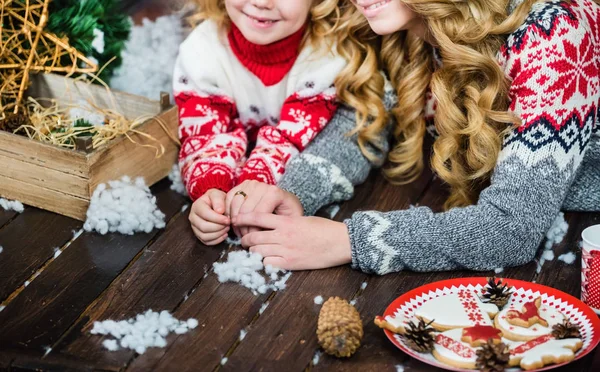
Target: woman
[516, 127]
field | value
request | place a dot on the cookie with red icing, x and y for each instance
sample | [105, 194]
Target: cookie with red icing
[542, 351]
[449, 349]
[527, 322]
[457, 310]
[480, 334]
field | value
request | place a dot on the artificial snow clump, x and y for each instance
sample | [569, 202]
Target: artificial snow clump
[567, 258]
[245, 268]
[555, 235]
[12, 205]
[557, 231]
[318, 300]
[145, 76]
[142, 332]
[1, 249]
[498, 270]
[123, 206]
[176, 182]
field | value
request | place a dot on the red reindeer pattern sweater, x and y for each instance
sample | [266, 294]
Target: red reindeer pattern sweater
[231, 92]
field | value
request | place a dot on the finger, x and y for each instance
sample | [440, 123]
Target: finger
[205, 212]
[212, 242]
[217, 200]
[236, 204]
[262, 220]
[209, 237]
[205, 226]
[277, 262]
[267, 250]
[230, 196]
[270, 201]
[249, 205]
[260, 238]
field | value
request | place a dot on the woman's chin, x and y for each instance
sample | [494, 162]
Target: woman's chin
[384, 26]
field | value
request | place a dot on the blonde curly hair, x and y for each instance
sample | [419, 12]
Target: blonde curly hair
[470, 87]
[323, 19]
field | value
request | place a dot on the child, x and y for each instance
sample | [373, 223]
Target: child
[253, 71]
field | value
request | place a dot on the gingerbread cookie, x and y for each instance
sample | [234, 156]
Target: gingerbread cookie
[529, 315]
[449, 349]
[395, 324]
[542, 351]
[457, 310]
[480, 334]
[506, 319]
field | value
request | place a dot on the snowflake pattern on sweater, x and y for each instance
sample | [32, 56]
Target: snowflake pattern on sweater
[236, 95]
[548, 162]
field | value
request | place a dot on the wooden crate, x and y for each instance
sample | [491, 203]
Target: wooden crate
[62, 180]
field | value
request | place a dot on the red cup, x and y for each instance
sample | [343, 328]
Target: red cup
[590, 267]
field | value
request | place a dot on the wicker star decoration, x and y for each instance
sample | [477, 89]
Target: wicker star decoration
[25, 47]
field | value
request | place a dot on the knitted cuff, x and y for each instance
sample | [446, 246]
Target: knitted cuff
[261, 175]
[207, 181]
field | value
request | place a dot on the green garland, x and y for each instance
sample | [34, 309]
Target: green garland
[77, 20]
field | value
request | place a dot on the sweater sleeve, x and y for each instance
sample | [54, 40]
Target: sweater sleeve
[552, 66]
[304, 114]
[330, 166]
[211, 145]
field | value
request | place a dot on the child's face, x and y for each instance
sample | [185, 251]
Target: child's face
[387, 16]
[267, 21]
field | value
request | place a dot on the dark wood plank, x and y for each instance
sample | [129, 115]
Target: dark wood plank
[289, 323]
[6, 216]
[223, 311]
[46, 308]
[160, 280]
[29, 241]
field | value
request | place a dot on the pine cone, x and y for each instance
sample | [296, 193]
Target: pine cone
[496, 293]
[566, 330]
[12, 122]
[339, 328]
[419, 337]
[492, 357]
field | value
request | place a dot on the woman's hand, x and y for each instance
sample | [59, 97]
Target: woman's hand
[262, 198]
[296, 243]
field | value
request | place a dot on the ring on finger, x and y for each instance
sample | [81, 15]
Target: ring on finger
[241, 193]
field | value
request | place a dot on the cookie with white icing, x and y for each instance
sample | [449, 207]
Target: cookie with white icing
[542, 351]
[545, 317]
[457, 310]
[396, 323]
[449, 349]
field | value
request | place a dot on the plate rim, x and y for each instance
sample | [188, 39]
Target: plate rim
[482, 280]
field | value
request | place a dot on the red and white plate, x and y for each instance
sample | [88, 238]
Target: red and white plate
[578, 312]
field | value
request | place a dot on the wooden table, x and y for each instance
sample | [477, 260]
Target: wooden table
[46, 324]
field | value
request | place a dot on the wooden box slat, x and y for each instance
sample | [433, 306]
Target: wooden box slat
[62, 180]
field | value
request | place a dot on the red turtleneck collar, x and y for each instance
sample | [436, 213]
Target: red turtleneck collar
[270, 63]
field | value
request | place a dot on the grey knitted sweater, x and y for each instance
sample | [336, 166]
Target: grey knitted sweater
[551, 161]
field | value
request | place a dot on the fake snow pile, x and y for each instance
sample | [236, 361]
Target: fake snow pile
[176, 182]
[123, 206]
[149, 57]
[144, 331]
[555, 235]
[12, 205]
[245, 268]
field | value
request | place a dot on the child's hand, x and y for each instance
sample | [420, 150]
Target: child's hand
[209, 223]
[255, 196]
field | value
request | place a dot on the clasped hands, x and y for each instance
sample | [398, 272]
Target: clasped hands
[270, 222]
